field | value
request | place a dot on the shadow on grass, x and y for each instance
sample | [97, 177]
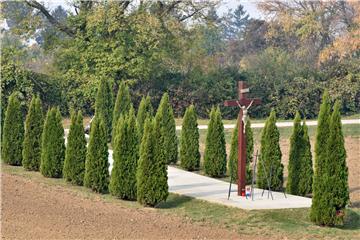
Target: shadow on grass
[174, 201]
[352, 221]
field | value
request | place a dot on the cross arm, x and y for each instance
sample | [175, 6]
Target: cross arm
[242, 102]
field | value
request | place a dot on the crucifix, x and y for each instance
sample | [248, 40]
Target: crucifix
[244, 104]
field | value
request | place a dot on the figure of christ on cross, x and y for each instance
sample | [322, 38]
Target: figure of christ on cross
[244, 104]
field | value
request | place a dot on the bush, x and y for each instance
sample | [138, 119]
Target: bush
[151, 173]
[270, 156]
[295, 156]
[321, 210]
[126, 154]
[53, 146]
[306, 171]
[215, 151]
[104, 106]
[75, 155]
[189, 141]
[32, 140]
[145, 111]
[233, 158]
[122, 106]
[96, 174]
[165, 130]
[13, 132]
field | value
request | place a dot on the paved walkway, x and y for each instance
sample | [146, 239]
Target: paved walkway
[279, 124]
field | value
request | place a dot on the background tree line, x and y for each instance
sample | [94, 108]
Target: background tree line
[185, 48]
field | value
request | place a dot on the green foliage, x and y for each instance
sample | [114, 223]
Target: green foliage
[75, 155]
[122, 106]
[151, 173]
[53, 146]
[233, 158]
[96, 174]
[145, 111]
[126, 154]
[32, 140]
[215, 151]
[270, 156]
[104, 106]
[306, 170]
[165, 130]
[295, 157]
[189, 141]
[321, 211]
[13, 132]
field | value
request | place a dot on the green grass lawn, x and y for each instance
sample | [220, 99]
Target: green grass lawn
[286, 223]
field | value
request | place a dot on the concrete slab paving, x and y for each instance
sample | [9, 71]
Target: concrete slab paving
[216, 191]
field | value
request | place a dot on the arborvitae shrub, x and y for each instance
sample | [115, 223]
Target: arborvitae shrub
[295, 156]
[97, 165]
[166, 132]
[233, 158]
[215, 151]
[13, 132]
[32, 140]
[53, 145]
[151, 173]
[189, 141]
[321, 210]
[104, 106]
[306, 171]
[270, 156]
[122, 106]
[75, 155]
[145, 111]
[126, 154]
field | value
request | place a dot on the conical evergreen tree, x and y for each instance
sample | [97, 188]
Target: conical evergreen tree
[295, 157]
[104, 106]
[215, 151]
[165, 130]
[321, 202]
[189, 142]
[96, 174]
[122, 106]
[151, 186]
[32, 140]
[13, 132]
[53, 145]
[75, 155]
[145, 111]
[233, 158]
[270, 156]
[306, 170]
[126, 154]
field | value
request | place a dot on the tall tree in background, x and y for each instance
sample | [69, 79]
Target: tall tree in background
[189, 141]
[122, 106]
[13, 132]
[104, 106]
[32, 140]
[295, 157]
[75, 155]
[96, 174]
[145, 111]
[321, 199]
[53, 145]
[215, 150]
[270, 167]
[165, 130]
[306, 171]
[125, 155]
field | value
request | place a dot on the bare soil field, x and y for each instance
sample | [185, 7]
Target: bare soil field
[31, 210]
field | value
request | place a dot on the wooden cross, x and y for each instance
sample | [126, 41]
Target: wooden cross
[244, 103]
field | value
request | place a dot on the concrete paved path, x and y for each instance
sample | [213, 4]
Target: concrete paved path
[279, 124]
[216, 191]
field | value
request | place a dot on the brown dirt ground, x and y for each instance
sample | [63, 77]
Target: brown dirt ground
[31, 210]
